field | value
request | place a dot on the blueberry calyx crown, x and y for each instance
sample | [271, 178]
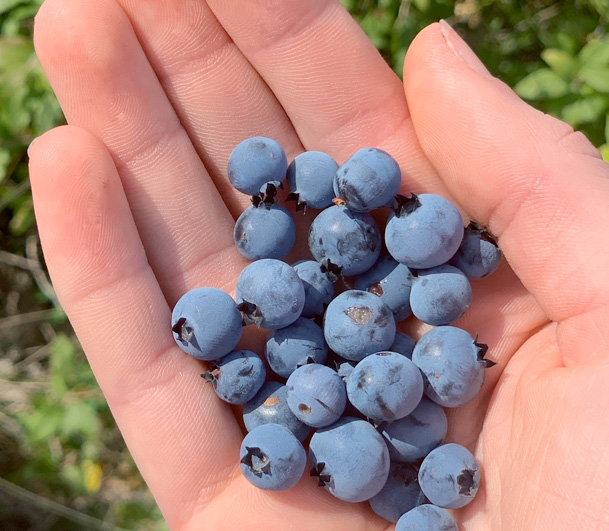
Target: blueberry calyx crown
[317, 472]
[295, 196]
[482, 350]
[403, 206]
[466, 482]
[256, 460]
[211, 375]
[482, 232]
[251, 313]
[184, 332]
[332, 271]
[266, 198]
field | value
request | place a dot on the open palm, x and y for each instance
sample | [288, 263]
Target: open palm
[134, 208]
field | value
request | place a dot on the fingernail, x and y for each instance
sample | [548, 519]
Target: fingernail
[461, 50]
[31, 145]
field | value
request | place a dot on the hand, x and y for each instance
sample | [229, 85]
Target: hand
[134, 208]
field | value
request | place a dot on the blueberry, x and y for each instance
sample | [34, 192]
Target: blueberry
[270, 406]
[319, 289]
[316, 395]
[440, 295]
[426, 518]
[358, 323]
[266, 231]
[403, 344]
[478, 255]
[272, 458]
[311, 178]
[400, 494]
[254, 162]
[369, 179]
[450, 476]
[206, 323]
[452, 363]
[385, 386]
[270, 294]
[237, 377]
[349, 240]
[425, 231]
[350, 459]
[411, 438]
[300, 343]
[391, 281]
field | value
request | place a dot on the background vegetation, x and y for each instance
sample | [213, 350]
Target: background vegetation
[63, 464]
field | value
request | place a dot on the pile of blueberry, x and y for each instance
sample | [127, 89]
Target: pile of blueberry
[372, 396]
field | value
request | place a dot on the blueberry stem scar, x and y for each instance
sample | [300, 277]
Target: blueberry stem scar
[322, 479]
[406, 205]
[184, 332]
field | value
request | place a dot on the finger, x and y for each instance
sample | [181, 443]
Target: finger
[106, 85]
[181, 437]
[541, 188]
[218, 96]
[337, 90]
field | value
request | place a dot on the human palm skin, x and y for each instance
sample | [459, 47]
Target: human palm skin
[134, 208]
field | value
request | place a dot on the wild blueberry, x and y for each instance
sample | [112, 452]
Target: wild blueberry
[300, 343]
[478, 255]
[400, 494]
[385, 386]
[425, 231]
[270, 294]
[254, 162]
[316, 395]
[391, 281]
[411, 438]
[237, 377]
[270, 406]
[272, 458]
[358, 323]
[369, 179]
[452, 363]
[311, 178]
[426, 517]
[440, 295]
[319, 288]
[350, 459]
[450, 476]
[349, 240]
[206, 323]
[266, 231]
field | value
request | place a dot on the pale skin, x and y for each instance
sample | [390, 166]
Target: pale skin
[134, 208]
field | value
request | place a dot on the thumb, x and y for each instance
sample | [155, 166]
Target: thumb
[538, 186]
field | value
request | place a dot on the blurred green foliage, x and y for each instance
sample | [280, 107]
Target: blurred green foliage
[555, 55]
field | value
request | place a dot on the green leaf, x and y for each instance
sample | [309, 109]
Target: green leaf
[422, 5]
[541, 85]
[80, 419]
[5, 160]
[585, 110]
[43, 422]
[604, 149]
[61, 364]
[23, 218]
[597, 78]
[595, 53]
[7, 5]
[607, 128]
[560, 62]
[14, 52]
